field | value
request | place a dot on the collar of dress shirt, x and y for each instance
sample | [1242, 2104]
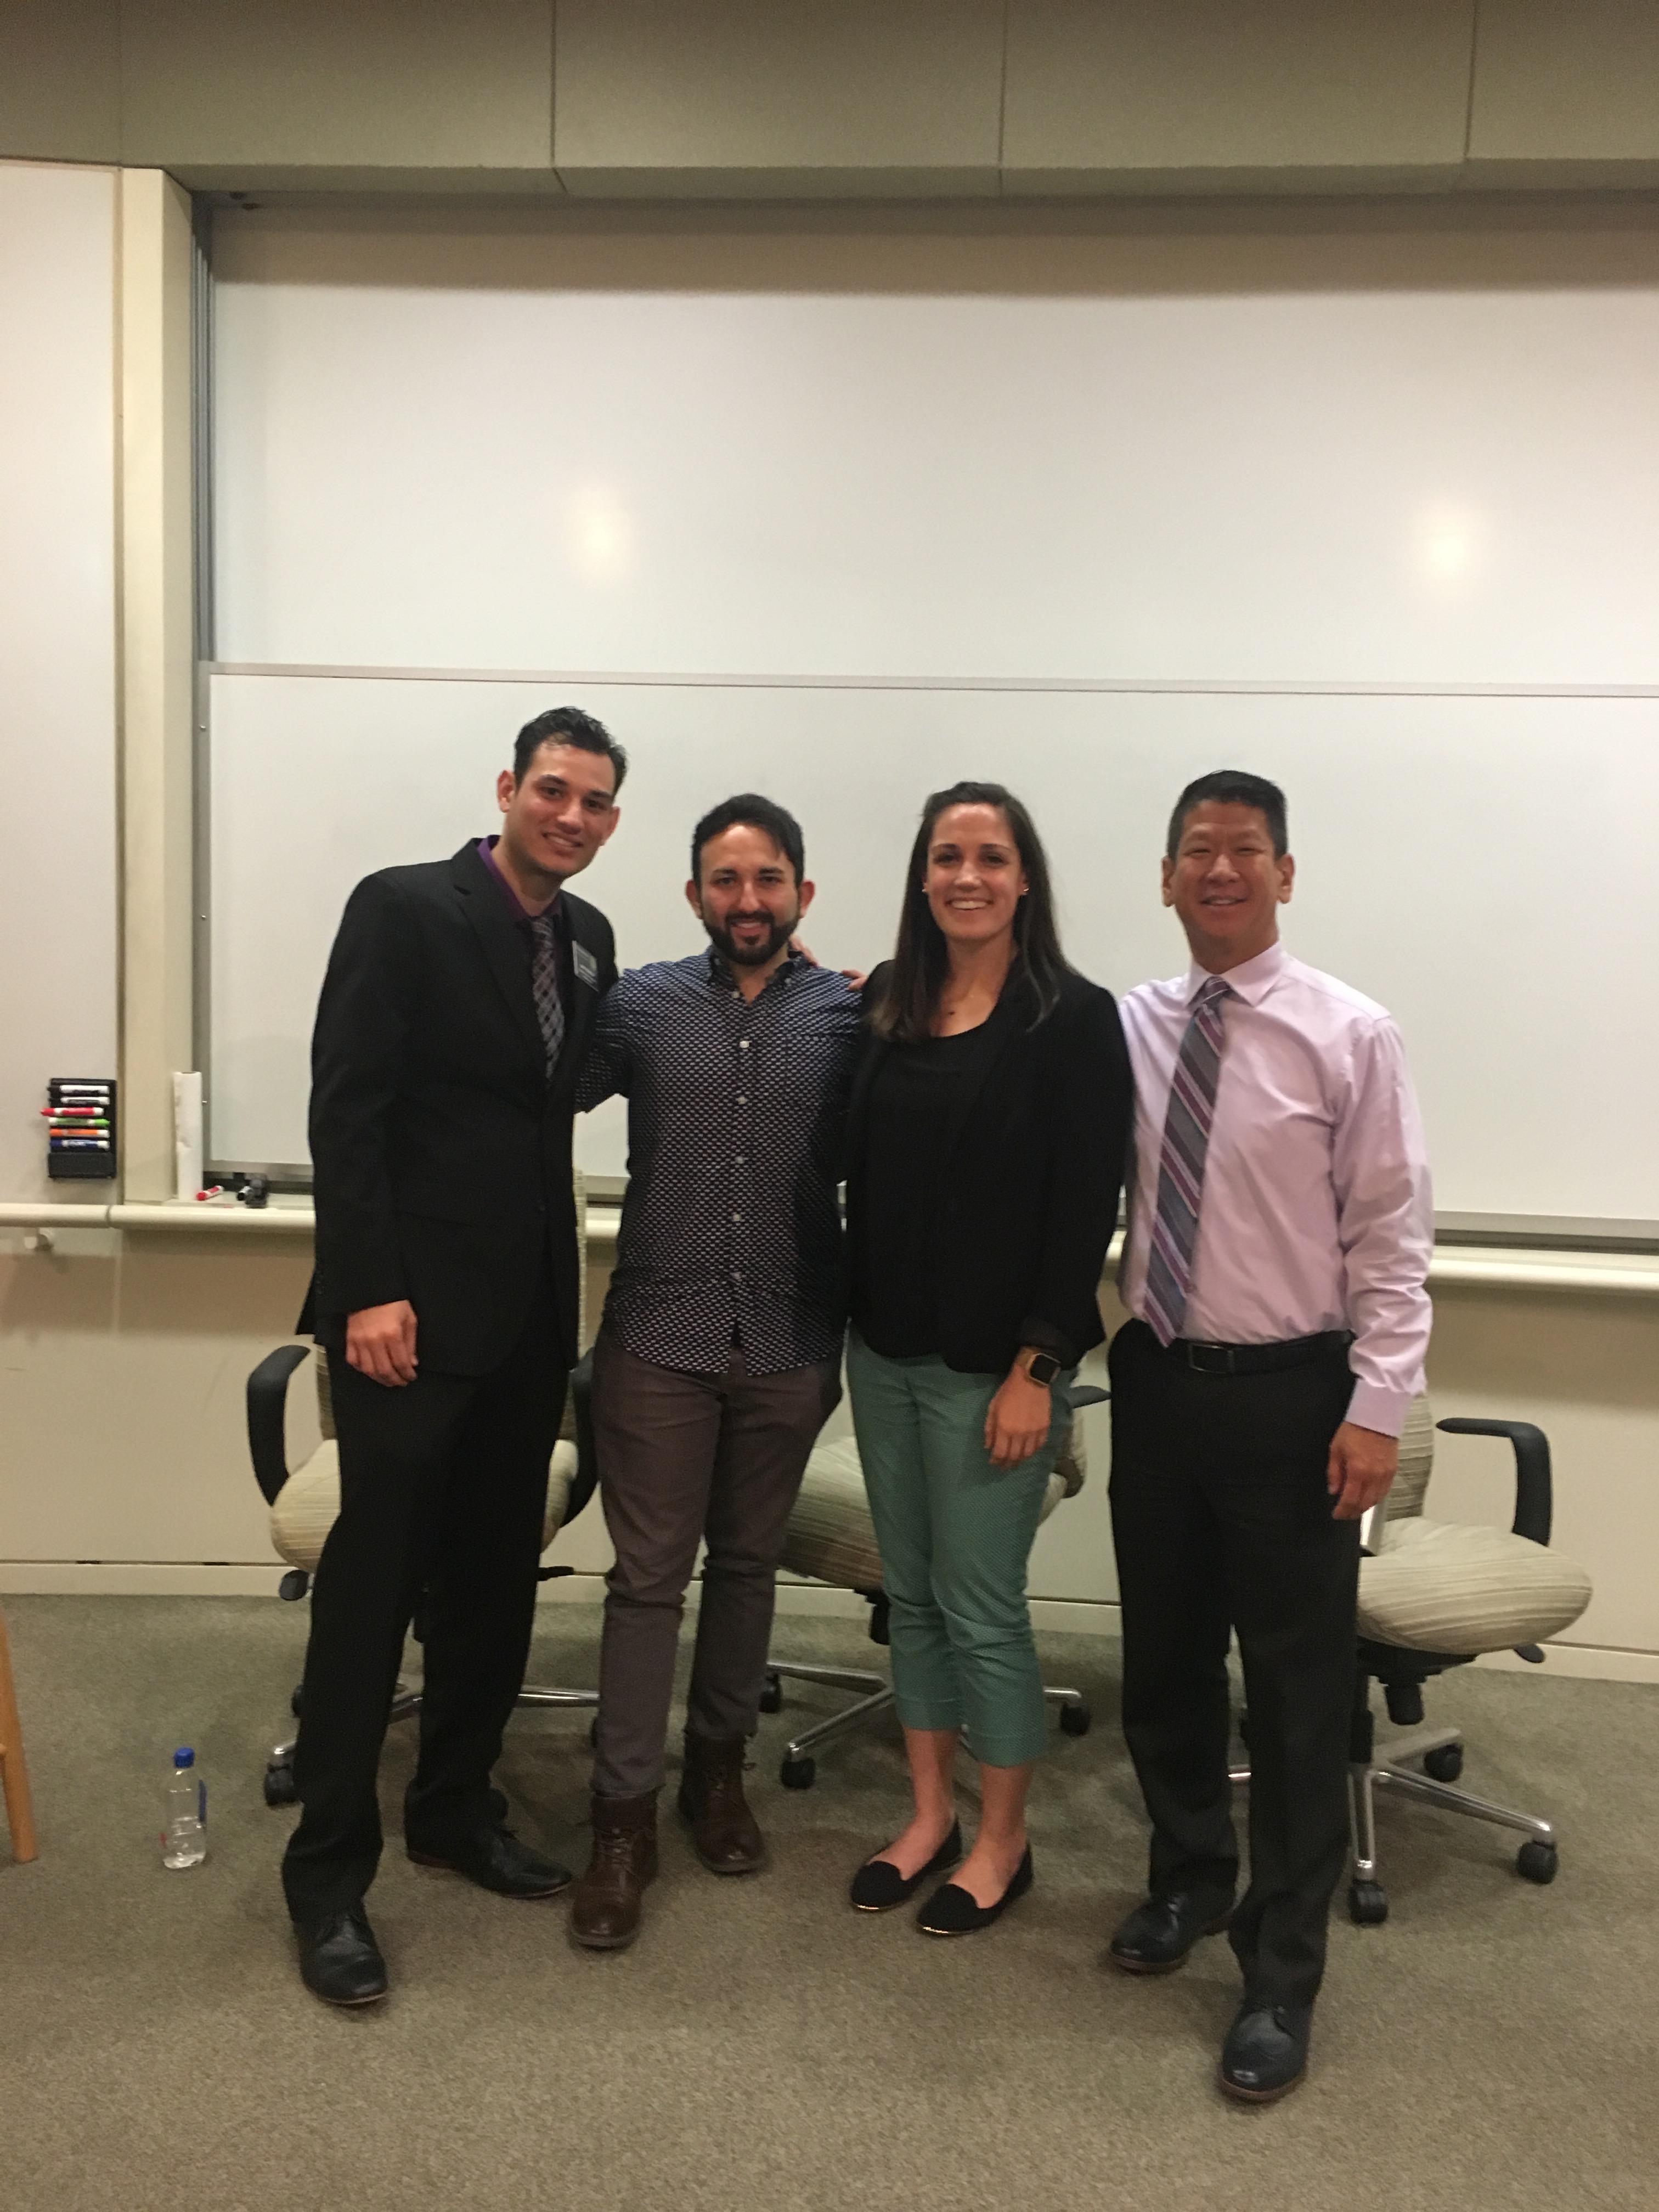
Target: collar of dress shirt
[515, 905]
[721, 975]
[1251, 979]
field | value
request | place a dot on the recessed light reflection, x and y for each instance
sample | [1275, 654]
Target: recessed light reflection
[1447, 544]
[599, 533]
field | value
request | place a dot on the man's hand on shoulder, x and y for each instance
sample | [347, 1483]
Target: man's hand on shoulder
[380, 1343]
[1362, 1465]
[855, 977]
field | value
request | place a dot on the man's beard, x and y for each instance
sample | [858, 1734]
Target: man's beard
[757, 955]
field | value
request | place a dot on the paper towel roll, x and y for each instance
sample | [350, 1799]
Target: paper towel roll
[186, 1135]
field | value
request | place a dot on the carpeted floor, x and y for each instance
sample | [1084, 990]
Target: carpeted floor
[764, 2049]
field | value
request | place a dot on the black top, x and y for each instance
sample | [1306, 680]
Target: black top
[1029, 1149]
[914, 1091]
[440, 1147]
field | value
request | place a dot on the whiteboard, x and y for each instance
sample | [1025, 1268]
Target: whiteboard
[847, 513]
[456, 457]
[1477, 865]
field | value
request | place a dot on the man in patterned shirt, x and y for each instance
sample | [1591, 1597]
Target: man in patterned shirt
[720, 1356]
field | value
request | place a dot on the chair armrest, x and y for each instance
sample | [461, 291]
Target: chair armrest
[1085, 1394]
[1533, 1495]
[267, 1417]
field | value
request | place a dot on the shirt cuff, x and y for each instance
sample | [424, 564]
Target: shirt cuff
[1371, 1406]
[1043, 1336]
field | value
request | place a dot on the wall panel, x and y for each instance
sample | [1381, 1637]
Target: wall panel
[730, 95]
[58, 648]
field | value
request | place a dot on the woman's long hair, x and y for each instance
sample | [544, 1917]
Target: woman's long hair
[921, 959]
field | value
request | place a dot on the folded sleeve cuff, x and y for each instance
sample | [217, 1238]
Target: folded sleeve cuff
[1043, 1336]
[1373, 1408]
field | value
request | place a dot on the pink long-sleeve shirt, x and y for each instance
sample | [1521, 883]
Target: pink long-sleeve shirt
[1317, 1212]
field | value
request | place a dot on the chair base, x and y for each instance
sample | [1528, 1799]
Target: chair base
[798, 1769]
[1538, 1858]
[279, 1788]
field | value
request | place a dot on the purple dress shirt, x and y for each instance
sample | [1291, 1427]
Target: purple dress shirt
[1317, 1212]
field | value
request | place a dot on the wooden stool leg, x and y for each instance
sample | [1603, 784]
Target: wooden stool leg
[13, 1775]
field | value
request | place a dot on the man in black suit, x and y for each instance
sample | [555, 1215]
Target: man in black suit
[453, 1018]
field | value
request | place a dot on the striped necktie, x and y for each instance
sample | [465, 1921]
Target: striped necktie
[544, 987]
[1181, 1171]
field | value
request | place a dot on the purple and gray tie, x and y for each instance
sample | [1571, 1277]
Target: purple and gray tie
[544, 987]
[1180, 1170]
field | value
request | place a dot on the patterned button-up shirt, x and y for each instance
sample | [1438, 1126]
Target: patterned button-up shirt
[731, 1230]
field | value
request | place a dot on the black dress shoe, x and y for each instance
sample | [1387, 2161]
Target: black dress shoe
[1266, 2053]
[495, 1859]
[954, 1910]
[879, 1886]
[1156, 1936]
[340, 1960]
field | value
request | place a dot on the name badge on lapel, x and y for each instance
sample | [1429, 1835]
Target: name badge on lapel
[587, 967]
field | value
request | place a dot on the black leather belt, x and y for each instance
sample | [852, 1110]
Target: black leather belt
[1258, 1359]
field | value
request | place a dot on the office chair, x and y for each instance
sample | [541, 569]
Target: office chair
[832, 1538]
[1434, 1595]
[305, 1502]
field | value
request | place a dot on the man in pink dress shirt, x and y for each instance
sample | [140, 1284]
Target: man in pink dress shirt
[1279, 1233]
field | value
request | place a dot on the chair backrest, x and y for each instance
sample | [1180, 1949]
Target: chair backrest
[568, 1428]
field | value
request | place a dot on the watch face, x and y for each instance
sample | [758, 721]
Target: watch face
[1043, 1368]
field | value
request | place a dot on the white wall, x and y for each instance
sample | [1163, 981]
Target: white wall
[57, 651]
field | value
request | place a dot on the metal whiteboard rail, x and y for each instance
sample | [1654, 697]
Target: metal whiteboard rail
[1598, 1273]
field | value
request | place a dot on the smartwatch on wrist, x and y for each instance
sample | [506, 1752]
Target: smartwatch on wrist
[1042, 1367]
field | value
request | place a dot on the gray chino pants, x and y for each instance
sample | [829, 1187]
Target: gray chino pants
[682, 1458]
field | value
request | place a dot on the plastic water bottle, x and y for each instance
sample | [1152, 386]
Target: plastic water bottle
[185, 1843]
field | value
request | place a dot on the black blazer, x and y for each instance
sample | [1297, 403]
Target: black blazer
[1031, 1169]
[440, 1153]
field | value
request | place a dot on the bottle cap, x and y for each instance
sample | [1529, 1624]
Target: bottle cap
[184, 1756]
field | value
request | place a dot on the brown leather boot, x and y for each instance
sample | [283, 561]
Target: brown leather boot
[606, 1904]
[725, 1833]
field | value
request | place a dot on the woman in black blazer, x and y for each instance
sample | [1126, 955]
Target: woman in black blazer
[989, 1117]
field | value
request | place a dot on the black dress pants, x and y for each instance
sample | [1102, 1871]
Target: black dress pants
[1222, 1522]
[443, 1486]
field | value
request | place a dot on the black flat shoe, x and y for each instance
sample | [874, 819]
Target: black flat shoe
[879, 1886]
[1266, 2053]
[340, 1960]
[495, 1859]
[954, 1910]
[1157, 1936]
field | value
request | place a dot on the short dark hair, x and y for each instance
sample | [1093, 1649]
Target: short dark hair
[1232, 786]
[905, 1014]
[567, 726]
[753, 812]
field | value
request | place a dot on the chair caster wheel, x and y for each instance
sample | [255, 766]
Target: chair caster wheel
[279, 1786]
[797, 1773]
[294, 1586]
[1368, 1904]
[1444, 1764]
[1075, 1719]
[1538, 1862]
[771, 1697]
[296, 1701]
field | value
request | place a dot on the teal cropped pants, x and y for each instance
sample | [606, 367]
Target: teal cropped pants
[955, 1534]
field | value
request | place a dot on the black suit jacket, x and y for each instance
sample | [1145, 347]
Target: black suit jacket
[1031, 1172]
[440, 1152]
